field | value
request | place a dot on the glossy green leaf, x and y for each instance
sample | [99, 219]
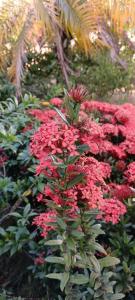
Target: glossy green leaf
[64, 280]
[57, 276]
[108, 261]
[61, 115]
[54, 242]
[75, 181]
[79, 279]
[55, 260]
[118, 296]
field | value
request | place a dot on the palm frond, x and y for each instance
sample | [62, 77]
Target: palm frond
[11, 19]
[121, 14]
[45, 13]
[15, 71]
[79, 19]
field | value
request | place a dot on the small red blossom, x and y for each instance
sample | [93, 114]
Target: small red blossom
[121, 191]
[56, 102]
[54, 138]
[111, 210]
[42, 115]
[39, 260]
[42, 220]
[120, 165]
[40, 197]
[130, 173]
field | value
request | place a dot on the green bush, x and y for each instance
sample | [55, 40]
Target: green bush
[101, 76]
[6, 88]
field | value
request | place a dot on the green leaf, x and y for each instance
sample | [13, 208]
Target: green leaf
[57, 276]
[71, 244]
[54, 242]
[93, 277]
[108, 261]
[13, 250]
[118, 296]
[64, 280]
[15, 214]
[61, 223]
[82, 148]
[95, 263]
[40, 187]
[77, 234]
[26, 210]
[79, 279]
[72, 159]
[61, 115]
[55, 260]
[76, 180]
[67, 259]
[99, 248]
[2, 231]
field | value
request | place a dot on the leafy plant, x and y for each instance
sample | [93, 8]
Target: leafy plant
[68, 225]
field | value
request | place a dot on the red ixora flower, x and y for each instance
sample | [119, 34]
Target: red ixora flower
[54, 138]
[39, 260]
[42, 220]
[107, 174]
[130, 173]
[56, 102]
[111, 210]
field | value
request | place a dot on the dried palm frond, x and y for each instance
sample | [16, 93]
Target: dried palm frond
[15, 71]
[121, 14]
[45, 12]
[79, 19]
[89, 22]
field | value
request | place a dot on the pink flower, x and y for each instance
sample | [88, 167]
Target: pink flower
[111, 141]
[56, 102]
[111, 210]
[42, 220]
[130, 173]
[121, 191]
[40, 197]
[54, 138]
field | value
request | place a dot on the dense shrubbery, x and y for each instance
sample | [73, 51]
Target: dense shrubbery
[100, 76]
[7, 90]
[84, 163]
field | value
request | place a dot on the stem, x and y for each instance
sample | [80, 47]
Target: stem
[60, 53]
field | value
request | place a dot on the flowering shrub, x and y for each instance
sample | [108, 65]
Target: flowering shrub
[86, 156]
[84, 179]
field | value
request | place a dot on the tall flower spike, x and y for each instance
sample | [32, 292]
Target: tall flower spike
[78, 94]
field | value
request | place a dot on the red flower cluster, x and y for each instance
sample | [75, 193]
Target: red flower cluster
[130, 173]
[117, 124]
[54, 137]
[106, 174]
[56, 102]
[39, 260]
[42, 221]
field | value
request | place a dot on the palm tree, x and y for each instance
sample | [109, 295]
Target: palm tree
[91, 23]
